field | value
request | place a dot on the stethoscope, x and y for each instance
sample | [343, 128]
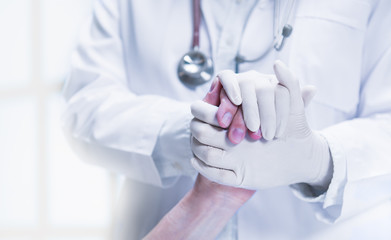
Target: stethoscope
[196, 68]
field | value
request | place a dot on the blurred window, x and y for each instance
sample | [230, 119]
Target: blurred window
[46, 192]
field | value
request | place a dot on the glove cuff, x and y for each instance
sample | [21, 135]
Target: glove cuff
[324, 164]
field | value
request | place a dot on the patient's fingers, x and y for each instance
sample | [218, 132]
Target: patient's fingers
[255, 135]
[213, 96]
[226, 110]
[237, 130]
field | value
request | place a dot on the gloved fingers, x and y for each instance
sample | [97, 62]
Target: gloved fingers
[211, 156]
[205, 112]
[237, 130]
[226, 110]
[266, 106]
[282, 109]
[249, 104]
[287, 79]
[307, 93]
[213, 96]
[273, 79]
[219, 175]
[231, 86]
[210, 135]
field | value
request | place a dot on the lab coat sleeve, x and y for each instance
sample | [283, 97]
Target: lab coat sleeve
[111, 126]
[361, 147]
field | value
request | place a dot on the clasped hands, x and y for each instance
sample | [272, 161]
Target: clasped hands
[279, 147]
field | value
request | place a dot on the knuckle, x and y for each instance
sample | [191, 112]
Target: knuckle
[225, 102]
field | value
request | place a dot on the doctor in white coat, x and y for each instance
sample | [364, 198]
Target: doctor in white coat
[128, 111]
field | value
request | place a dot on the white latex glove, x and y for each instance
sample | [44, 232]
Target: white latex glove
[300, 155]
[263, 101]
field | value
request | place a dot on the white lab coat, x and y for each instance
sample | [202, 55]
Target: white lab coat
[127, 110]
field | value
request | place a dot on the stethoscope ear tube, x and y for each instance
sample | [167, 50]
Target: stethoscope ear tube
[196, 24]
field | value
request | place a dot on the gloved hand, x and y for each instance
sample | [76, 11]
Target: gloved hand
[263, 100]
[203, 186]
[299, 155]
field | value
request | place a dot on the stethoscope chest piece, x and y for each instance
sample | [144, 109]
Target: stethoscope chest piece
[195, 68]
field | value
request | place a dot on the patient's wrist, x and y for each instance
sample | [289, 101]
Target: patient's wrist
[202, 213]
[224, 196]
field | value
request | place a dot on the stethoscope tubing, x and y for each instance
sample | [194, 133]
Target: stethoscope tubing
[196, 24]
[206, 70]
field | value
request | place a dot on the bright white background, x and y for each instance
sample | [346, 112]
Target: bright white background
[46, 192]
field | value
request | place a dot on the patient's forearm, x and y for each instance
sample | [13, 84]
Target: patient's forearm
[199, 215]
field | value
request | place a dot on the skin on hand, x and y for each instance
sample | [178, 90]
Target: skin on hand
[227, 110]
[213, 96]
[202, 213]
[231, 196]
[229, 115]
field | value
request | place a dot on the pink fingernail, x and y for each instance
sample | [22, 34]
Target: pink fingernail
[227, 118]
[256, 135]
[237, 135]
[258, 132]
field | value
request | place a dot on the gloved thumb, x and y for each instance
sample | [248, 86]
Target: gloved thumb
[307, 93]
[231, 86]
[205, 112]
[288, 80]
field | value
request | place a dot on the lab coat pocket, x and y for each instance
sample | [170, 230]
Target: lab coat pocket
[326, 50]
